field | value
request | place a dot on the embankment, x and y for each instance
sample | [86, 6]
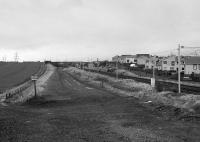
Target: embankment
[25, 91]
[129, 87]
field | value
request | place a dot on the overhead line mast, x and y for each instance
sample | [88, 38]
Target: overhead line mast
[179, 64]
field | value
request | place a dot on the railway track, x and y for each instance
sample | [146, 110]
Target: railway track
[161, 85]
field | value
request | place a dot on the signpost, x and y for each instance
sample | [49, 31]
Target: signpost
[34, 79]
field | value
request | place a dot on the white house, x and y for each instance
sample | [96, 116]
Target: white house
[192, 65]
[169, 63]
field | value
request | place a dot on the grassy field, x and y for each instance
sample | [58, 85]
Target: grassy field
[12, 73]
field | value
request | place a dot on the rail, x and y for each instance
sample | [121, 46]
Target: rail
[161, 85]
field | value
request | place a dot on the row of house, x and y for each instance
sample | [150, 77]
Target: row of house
[189, 64]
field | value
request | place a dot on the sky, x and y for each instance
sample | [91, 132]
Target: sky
[75, 30]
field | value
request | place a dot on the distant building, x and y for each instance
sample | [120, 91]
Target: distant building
[116, 58]
[192, 65]
[169, 63]
[91, 65]
[151, 62]
[159, 64]
[141, 60]
[125, 59]
[143, 55]
[128, 59]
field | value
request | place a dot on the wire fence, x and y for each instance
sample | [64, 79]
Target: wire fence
[10, 92]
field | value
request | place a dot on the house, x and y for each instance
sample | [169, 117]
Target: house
[91, 65]
[169, 63]
[143, 55]
[192, 65]
[141, 60]
[151, 62]
[128, 59]
[183, 58]
[116, 58]
[159, 64]
[125, 59]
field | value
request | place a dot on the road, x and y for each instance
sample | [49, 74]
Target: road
[72, 111]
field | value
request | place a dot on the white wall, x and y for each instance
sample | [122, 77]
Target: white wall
[168, 66]
[189, 69]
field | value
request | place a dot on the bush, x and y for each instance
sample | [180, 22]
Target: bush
[159, 88]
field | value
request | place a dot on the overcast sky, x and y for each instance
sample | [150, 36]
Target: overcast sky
[90, 29]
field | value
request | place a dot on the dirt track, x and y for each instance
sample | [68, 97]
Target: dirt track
[73, 111]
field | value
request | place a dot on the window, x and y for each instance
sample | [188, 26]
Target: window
[173, 63]
[164, 62]
[135, 60]
[147, 61]
[195, 67]
[171, 68]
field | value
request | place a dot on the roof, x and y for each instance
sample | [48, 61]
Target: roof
[143, 55]
[192, 60]
[128, 56]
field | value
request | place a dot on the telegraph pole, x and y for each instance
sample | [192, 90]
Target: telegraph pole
[179, 68]
[153, 70]
[153, 78]
[179, 64]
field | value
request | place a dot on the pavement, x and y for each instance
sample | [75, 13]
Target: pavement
[73, 111]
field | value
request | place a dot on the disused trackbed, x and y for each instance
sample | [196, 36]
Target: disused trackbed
[72, 111]
[162, 85]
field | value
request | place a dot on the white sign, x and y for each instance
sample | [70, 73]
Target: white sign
[153, 82]
[34, 78]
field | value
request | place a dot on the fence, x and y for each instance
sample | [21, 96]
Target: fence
[18, 89]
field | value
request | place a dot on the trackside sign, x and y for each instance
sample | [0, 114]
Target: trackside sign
[34, 78]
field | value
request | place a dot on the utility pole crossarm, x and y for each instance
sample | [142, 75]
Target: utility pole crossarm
[179, 69]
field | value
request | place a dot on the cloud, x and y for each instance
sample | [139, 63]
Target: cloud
[85, 28]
